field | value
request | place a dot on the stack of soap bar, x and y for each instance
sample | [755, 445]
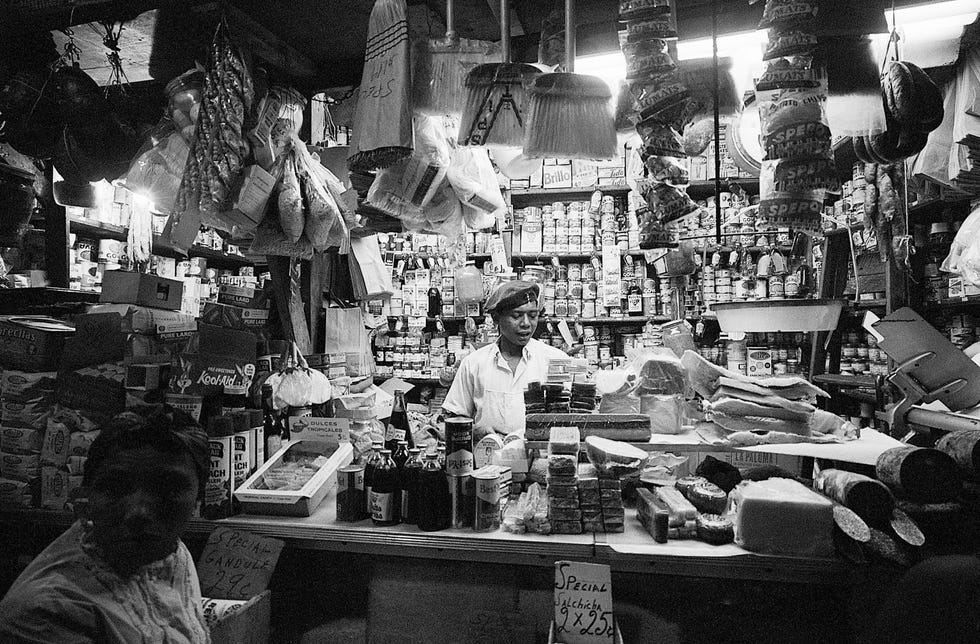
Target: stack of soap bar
[783, 516]
[683, 515]
[589, 498]
[564, 511]
[611, 499]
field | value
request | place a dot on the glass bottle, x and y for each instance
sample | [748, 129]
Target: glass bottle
[398, 428]
[433, 495]
[385, 496]
[441, 454]
[410, 485]
[469, 284]
[233, 398]
[370, 464]
[271, 423]
[435, 302]
[400, 455]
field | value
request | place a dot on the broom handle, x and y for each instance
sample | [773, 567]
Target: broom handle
[450, 20]
[569, 36]
[505, 30]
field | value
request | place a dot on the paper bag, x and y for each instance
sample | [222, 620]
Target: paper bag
[344, 330]
[370, 276]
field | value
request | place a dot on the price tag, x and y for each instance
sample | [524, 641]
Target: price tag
[325, 430]
[583, 603]
[237, 564]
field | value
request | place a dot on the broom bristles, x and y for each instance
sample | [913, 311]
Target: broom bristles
[569, 85]
[439, 73]
[566, 124]
[491, 81]
[385, 14]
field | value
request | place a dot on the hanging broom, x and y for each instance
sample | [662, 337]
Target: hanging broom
[439, 68]
[496, 97]
[570, 115]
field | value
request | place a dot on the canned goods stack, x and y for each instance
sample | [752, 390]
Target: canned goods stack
[860, 355]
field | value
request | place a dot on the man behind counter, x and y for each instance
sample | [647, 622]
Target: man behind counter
[490, 382]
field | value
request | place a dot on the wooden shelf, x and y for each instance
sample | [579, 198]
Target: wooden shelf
[633, 319]
[706, 187]
[844, 380]
[101, 230]
[598, 253]
[552, 192]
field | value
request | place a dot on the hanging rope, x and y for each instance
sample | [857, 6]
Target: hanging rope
[113, 32]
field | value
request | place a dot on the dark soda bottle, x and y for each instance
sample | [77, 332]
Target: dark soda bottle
[410, 486]
[370, 464]
[385, 492]
[398, 428]
[271, 423]
[433, 497]
[400, 455]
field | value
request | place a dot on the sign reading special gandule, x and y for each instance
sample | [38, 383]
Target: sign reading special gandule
[583, 603]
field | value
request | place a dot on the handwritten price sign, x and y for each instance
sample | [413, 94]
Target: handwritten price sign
[237, 564]
[583, 603]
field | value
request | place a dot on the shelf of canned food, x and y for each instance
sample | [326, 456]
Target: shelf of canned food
[103, 231]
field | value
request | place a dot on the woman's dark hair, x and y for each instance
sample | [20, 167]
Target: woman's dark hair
[161, 427]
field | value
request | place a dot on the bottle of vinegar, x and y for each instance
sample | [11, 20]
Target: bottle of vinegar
[385, 492]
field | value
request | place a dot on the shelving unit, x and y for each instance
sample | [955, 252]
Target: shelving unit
[101, 230]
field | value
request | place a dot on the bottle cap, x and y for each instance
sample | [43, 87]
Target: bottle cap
[386, 452]
[405, 443]
[221, 426]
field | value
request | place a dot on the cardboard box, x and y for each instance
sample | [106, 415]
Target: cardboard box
[125, 287]
[216, 357]
[584, 173]
[234, 317]
[252, 199]
[246, 625]
[141, 319]
[32, 343]
[256, 500]
[556, 176]
[247, 297]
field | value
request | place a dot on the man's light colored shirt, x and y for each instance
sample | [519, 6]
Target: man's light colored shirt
[486, 390]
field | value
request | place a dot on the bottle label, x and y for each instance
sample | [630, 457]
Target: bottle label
[459, 462]
[382, 506]
[634, 303]
[791, 286]
[488, 489]
[394, 434]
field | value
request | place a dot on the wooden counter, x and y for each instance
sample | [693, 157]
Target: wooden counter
[632, 551]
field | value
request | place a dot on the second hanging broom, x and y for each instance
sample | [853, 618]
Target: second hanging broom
[570, 115]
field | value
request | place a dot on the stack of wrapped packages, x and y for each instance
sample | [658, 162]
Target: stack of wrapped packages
[743, 411]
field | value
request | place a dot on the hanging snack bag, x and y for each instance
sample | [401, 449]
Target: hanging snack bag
[662, 26]
[794, 124]
[472, 177]
[784, 14]
[647, 58]
[800, 174]
[789, 72]
[660, 97]
[790, 43]
[659, 139]
[668, 202]
[639, 9]
[666, 170]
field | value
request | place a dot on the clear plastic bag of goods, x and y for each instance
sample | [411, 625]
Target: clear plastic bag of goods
[964, 253]
[475, 184]
[665, 412]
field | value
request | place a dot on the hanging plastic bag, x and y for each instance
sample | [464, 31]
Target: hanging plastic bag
[475, 184]
[964, 254]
